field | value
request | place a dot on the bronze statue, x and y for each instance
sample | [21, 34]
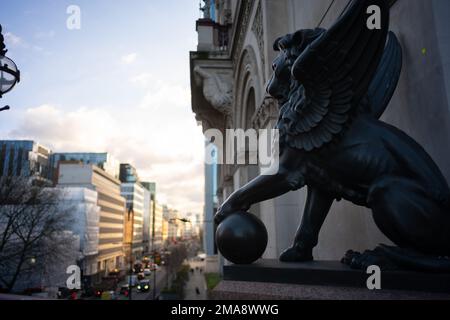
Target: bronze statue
[332, 87]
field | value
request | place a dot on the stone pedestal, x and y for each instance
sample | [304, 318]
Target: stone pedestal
[271, 279]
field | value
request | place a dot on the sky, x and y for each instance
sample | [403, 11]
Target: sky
[119, 84]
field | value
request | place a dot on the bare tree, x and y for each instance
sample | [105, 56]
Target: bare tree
[32, 228]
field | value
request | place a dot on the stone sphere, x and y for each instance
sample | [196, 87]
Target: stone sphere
[241, 238]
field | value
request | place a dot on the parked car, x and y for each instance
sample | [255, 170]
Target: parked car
[144, 286]
[147, 272]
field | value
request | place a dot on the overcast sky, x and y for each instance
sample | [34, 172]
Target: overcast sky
[120, 84]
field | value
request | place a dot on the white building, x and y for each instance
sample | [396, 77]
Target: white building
[112, 211]
[82, 203]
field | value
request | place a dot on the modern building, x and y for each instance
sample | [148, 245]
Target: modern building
[133, 192]
[103, 160]
[112, 211]
[24, 158]
[149, 195]
[242, 65]
[158, 239]
[211, 202]
[83, 205]
[165, 229]
[174, 229]
[154, 219]
[192, 225]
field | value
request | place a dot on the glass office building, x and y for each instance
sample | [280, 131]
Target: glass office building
[24, 158]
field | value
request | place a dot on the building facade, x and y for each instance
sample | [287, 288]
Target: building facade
[420, 106]
[211, 201]
[174, 225]
[83, 205]
[24, 159]
[112, 211]
[102, 160]
[149, 212]
[158, 221]
[133, 192]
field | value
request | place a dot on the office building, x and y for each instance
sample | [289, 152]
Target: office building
[112, 211]
[133, 192]
[102, 160]
[24, 158]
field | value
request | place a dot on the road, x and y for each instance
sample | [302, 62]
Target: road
[161, 280]
[160, 284]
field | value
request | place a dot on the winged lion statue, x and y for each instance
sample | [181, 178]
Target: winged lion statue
[332, 87]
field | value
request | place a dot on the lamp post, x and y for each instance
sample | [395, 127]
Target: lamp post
[9, 73]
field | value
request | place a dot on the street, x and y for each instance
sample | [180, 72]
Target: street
[160, 284]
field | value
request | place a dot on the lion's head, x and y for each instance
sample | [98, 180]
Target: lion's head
[289, 47]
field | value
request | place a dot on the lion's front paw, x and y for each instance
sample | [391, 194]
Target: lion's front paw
[294, 254]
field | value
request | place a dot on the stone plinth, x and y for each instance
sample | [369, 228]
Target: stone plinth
[271, 279]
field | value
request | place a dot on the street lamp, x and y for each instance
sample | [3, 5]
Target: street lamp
[9, 73]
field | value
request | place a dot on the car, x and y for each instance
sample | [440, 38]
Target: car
[147, 272]
[143, 286]
[141, 276]
[125, 290]
[137, 268]
[108, 295]
[154, 267]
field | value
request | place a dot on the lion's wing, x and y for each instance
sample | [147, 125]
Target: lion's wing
[336, 71]
[385, 81]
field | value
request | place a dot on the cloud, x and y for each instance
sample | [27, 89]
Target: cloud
[13, 40]
[45, 35]
[129, 58]
[171, 154]
[160, 94]
[143, 79]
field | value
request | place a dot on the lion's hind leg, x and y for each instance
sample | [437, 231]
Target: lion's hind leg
[409, 217]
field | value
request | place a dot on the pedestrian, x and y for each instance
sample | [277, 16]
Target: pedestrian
[197, 291]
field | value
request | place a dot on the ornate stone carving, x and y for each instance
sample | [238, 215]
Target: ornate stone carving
[258, 30]
[217, 88]
[206, 9]
[267, 111]
[242, 24]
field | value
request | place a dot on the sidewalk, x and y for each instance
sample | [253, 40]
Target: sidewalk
[196, 281]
